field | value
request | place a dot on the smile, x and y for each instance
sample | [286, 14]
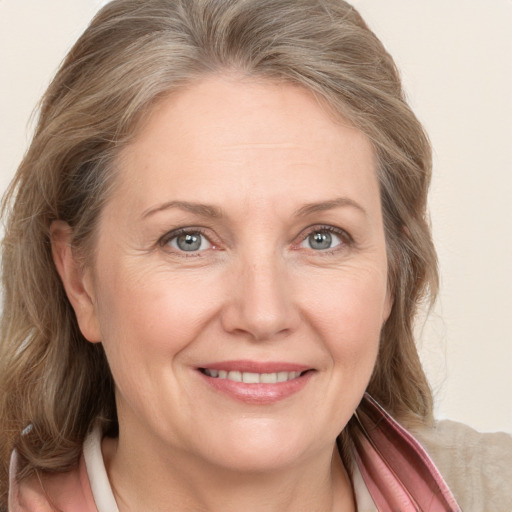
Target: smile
[251, 377]
[257, 383]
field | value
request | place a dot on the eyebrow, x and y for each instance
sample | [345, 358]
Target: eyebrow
[203, 210]
[339, 202]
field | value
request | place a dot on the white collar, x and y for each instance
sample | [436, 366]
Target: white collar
[98, 478]
[364, 501]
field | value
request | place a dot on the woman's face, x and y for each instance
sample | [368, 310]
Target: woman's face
[239, 280]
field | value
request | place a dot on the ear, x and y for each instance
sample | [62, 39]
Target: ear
[77, 280]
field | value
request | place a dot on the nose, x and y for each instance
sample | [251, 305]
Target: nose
[260, 303]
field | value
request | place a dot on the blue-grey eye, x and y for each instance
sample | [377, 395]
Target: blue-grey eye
[321, 240]
[190, 242]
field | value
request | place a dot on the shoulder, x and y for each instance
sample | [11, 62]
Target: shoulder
[476, 466]
[52, 492]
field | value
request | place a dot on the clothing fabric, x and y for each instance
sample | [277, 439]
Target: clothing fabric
[396, 469]
[393, 472]
[477, 467]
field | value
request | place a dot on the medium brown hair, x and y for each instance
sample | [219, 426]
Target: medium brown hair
[135, 51]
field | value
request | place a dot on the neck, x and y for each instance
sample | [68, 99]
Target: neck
[141, 481]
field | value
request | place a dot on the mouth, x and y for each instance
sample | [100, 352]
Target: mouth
[256, 383]
[253, 377]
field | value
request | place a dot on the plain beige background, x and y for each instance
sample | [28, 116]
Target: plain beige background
[455, 57]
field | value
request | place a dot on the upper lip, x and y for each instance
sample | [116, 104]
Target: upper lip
[256, 366]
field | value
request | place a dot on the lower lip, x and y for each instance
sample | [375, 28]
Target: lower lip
[259, 394]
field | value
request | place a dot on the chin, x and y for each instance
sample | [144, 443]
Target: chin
[263, 449]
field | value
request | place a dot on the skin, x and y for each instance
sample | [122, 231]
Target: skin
[275, 167]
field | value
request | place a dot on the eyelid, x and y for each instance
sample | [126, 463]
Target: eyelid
[345, 237]
[164, 241]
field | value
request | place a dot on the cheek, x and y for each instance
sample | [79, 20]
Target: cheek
[152, 310]
[349, 314]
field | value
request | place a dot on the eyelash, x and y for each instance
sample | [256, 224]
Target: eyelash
[346, 239]
[344, 236]
[168, 237]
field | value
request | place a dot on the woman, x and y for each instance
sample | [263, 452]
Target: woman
[215, 245]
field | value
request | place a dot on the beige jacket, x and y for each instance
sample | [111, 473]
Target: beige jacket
[477, 467]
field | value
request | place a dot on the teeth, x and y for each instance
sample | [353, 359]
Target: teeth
[282, 376]
[236, 376]
[268, 378]
[251, 377]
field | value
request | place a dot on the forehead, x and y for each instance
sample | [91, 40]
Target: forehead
[251, 138]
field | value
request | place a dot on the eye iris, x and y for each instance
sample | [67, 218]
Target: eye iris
[320, 240]
[189, 242]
